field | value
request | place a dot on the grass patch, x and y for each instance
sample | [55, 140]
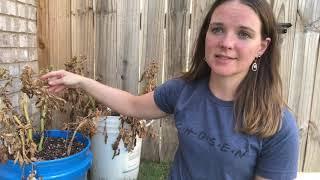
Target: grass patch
[149, 170]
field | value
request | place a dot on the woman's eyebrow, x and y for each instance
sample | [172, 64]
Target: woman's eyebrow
[247, 29]
[216, 24]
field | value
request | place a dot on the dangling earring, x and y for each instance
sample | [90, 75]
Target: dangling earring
[254, 66]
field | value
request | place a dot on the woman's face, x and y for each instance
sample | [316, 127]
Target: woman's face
[233, 40]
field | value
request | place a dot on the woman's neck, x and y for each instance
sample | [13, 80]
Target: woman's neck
[224, 87]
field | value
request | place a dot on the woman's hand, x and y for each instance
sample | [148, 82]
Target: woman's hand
[59, 80]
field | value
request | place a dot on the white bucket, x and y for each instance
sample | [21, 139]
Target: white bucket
[123, 166]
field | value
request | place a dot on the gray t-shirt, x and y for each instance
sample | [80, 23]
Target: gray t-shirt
[209, 146]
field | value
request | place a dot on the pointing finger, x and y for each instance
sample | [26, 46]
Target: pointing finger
[52, 74]
[55, 82]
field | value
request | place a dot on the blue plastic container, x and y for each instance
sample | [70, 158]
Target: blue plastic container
[74, 167]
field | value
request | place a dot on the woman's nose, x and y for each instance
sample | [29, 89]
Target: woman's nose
[227, 41]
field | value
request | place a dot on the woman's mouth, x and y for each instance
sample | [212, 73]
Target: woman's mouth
[221, 57]
[224, 59]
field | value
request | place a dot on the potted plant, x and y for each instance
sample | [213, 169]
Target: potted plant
[24, 152]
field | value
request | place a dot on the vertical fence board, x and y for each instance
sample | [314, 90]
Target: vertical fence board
[312, 16]
[128, 31]
[296, 87]
[82, 28]
[106, 43]
[198, 13]
[177, 26]
[312, 158]
[286, 12]
[42, 33]
[59, 32]
[307, 90]
[153, 17]
[152, 47]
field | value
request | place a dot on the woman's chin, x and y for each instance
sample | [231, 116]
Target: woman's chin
[223, 72]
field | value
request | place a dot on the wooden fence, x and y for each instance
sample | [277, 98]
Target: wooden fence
[120, 37]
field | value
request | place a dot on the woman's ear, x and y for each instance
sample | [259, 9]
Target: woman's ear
[264, 45]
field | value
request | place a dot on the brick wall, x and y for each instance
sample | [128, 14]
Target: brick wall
[18, 39]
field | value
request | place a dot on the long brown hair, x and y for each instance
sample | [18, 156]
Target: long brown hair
[258, 100]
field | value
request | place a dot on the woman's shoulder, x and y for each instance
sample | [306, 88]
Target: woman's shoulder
[288, 128]
[280, 152]
[289, 121]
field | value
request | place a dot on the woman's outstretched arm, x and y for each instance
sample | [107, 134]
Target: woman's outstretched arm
[118, 100]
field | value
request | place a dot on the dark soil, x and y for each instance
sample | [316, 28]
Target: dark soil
[56, 148]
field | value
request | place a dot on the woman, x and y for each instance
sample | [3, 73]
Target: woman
[229, 112]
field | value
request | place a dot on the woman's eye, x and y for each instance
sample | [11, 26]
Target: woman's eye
[244, 35]
[216, 30]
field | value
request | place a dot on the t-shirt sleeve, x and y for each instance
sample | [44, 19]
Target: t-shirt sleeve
[166, 95]
[279, 156]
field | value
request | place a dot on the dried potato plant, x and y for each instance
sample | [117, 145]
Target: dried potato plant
[149, 78]
[46, 102]
[16, 132]
[84, 110]
[82, 104]
[132, 127]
